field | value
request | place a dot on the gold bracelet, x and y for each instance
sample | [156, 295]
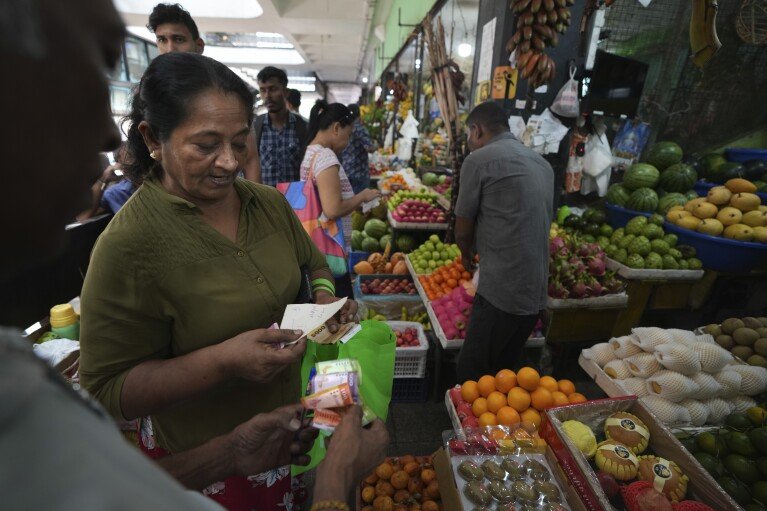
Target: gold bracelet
[330, 504]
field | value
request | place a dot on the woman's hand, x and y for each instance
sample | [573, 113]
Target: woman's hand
[271, 440]
[352, 454]
[347, 314]
[369, 194]
[257, 355]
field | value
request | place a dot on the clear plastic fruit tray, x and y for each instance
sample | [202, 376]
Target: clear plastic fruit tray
[415, 226]
[655, 275]
[410, 362]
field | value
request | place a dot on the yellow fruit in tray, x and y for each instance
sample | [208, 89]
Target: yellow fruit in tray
[676, 208]
[711, 226]
[760, 234]
[745, 201]
[755, 218]
[617, 460]
[689, 222]
[675, 216]
[762, 208]
[629, 430]
[739, 232]
[582, 436]
[705, 210]
[719, 195]
[739, 185]
[691, 205]
[729, 216]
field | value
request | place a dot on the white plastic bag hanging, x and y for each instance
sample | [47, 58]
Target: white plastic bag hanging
[597, 165]
[566, 102]
[408, 132]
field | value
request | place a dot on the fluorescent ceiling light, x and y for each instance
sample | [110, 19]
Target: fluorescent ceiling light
[364, 79]
[269, 44]
[303, 87]
[464, 49]
[243, 56]
[142, 32]
[245, 9]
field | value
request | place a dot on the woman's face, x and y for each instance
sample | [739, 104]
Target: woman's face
[341, 136]
[201, 158]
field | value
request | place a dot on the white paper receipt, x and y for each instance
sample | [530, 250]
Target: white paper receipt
[308, 316]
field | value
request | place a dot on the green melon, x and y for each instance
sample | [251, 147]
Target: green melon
[618, 195]
[386, 238]
[643, 199]
[710, 164]
[670, 200]
[691, 194]
[357, 238]
[370, 245]
[730, 170]
[406, 243]
[375, 228]
[678, 178]
[664, 154]
[641, 175]
[358, 221]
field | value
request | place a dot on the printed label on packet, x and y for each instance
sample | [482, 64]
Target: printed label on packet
[328, 420]
[325, 381]
[334, 397]
[628, 425]
[342, 365]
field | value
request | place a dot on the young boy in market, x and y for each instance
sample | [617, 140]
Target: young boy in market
[61, 451]
[503, 214]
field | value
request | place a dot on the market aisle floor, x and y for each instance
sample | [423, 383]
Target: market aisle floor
[416, 428]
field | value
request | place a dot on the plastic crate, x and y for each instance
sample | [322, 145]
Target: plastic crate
[410, 390]
[702, 187]
[410, 362]
[742, 155]
[619, 217]
[721, 254]
[383, 298]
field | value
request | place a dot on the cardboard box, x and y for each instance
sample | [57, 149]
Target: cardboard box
[663, 443]
[449, 489]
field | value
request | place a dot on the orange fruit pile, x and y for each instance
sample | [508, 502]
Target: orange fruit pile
[509, 398]
[444, 279]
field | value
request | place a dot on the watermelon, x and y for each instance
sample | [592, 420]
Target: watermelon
[386, 238]
[357, 238]
[670, 200]
[664, 154]
[641, 175]
[370, 245]
[730, 170]
[710, 165]
[755, 169]
[375, 228]
[691, 194]
[406, 243]
[678, 178]
[358, 221]
[643, 199]
[618, 195]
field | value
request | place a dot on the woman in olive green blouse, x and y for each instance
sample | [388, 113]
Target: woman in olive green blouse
[188, 276]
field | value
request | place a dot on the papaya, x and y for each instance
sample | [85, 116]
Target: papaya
[363, 268]
[400, 268]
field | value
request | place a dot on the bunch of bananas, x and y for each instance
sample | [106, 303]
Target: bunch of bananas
[405, 105]
[704, 41]
[538, 23]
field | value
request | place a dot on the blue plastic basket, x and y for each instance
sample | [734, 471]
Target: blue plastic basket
[742, 155]
[702, 188]
[619, 217]
[383, 298]
[721, 254]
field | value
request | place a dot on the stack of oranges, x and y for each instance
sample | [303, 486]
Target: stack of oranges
[509, 398]
[444, 279]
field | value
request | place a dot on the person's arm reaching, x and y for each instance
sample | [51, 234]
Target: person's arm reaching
[267, 441]
[464, 238]
[97, 192]
[253, 162]
[329, 186]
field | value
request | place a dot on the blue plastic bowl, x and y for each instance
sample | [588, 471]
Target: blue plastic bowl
[619, 217]
[702, 188]
[721, 254]
[741, 155]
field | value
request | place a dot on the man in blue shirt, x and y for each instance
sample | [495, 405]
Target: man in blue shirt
[355, 157]
[109, 193]
[280, 135]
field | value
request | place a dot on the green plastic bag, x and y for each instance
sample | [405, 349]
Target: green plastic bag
[374, 348]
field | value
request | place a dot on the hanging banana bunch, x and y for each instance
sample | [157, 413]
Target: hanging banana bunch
[539, 23]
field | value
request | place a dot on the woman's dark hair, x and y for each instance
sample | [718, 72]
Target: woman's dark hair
[324, 115]
[162, 99]
[172, 13]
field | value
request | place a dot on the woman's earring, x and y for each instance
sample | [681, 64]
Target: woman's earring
[153, 155]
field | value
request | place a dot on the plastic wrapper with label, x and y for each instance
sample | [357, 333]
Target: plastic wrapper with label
[334, 387]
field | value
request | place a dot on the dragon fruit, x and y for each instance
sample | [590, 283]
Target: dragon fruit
[579, 270]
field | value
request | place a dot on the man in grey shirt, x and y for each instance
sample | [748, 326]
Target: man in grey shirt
[503, 214]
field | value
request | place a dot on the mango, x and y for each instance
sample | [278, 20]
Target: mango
[711, 226]
[705, 210]
[755, 218]
[745, 201]
[760, 234]
[719, 195]
[739, 232]
[691, 205]
[729, 216]
[689, 222]
[675, 216]
[739, 185]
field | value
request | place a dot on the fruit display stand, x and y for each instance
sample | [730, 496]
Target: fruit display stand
[722, 254]
[447, 344]
[654, 275]
[607, 384]
[414, 226]
[701, 486]
[410, 362]
[587, 319]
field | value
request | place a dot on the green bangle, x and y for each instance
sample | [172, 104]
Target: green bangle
[323, 282]
[324, 288]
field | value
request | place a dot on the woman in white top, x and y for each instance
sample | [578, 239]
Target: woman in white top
[330, 127]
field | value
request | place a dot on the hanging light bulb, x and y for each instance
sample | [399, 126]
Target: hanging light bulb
[464, 49]
[364, 79]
